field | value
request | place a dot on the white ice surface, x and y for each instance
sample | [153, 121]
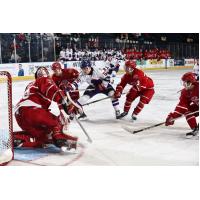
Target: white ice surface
[113, 145]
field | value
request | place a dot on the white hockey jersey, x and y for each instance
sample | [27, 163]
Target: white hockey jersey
[196, 69]
[95, 75]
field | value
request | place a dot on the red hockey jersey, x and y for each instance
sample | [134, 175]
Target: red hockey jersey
[68, 75]
[137, 79]
[41, 93]
[187, 99]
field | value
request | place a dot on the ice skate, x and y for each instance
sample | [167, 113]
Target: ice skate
[65, 141]
[193, 133]
[133, 117]
[117, 114]
[122, 115]
[82, 116]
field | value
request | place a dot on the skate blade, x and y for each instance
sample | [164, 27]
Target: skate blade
[196, 137]
[67, 150]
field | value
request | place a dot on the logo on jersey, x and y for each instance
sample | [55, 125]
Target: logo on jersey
[195, 100]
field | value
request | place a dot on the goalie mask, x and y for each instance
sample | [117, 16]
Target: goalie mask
[42, 72]
[188, 80]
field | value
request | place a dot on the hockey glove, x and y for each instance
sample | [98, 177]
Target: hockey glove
[69, 87]
[170, 119]
[72, 109]
[118, 92]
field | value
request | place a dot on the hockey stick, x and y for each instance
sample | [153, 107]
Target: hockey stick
[149, 127]
[155, 125]
[83, 129]
[86, 104]
[77, 120]
[80, 90]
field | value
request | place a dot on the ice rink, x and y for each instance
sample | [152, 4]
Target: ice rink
[113, 145]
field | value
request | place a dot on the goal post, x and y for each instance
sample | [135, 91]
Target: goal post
[6, 118]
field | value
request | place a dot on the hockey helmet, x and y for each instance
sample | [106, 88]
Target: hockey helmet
[56, 65]
[85, 63]
[130, 65]
[42, 72]
[188, 79]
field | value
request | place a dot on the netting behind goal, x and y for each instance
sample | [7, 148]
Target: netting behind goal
[6, 123]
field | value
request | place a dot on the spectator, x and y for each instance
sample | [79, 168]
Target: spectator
[14, 59]
[21, 70]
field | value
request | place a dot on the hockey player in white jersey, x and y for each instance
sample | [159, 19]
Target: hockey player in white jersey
[112, 67]
[98, 83]
[196, 69]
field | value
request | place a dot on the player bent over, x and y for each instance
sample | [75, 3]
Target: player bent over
[142, 87]
[36, 120]
[99, 83]
[188, 104]
[64, 78]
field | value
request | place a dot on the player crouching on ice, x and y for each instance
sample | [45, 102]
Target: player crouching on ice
[188, 104]
[99, 83]
[39, 126]
[142, 86]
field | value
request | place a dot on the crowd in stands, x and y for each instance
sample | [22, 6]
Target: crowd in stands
[41, 47]
[95, 55]
[148, 54]
[70, 54]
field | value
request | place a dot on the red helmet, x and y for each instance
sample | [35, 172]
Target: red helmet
[56, 65]
[188, 77]
[131, 64]
[42, 72]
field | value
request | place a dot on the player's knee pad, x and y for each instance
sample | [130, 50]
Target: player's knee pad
[24, 140]
[83, 99]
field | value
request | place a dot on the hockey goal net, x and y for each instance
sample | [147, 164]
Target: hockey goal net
[6, 123]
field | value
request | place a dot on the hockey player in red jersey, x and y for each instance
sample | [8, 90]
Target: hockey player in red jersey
[34, 117]
[142, 86]
[188, 104]
[64, 79]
